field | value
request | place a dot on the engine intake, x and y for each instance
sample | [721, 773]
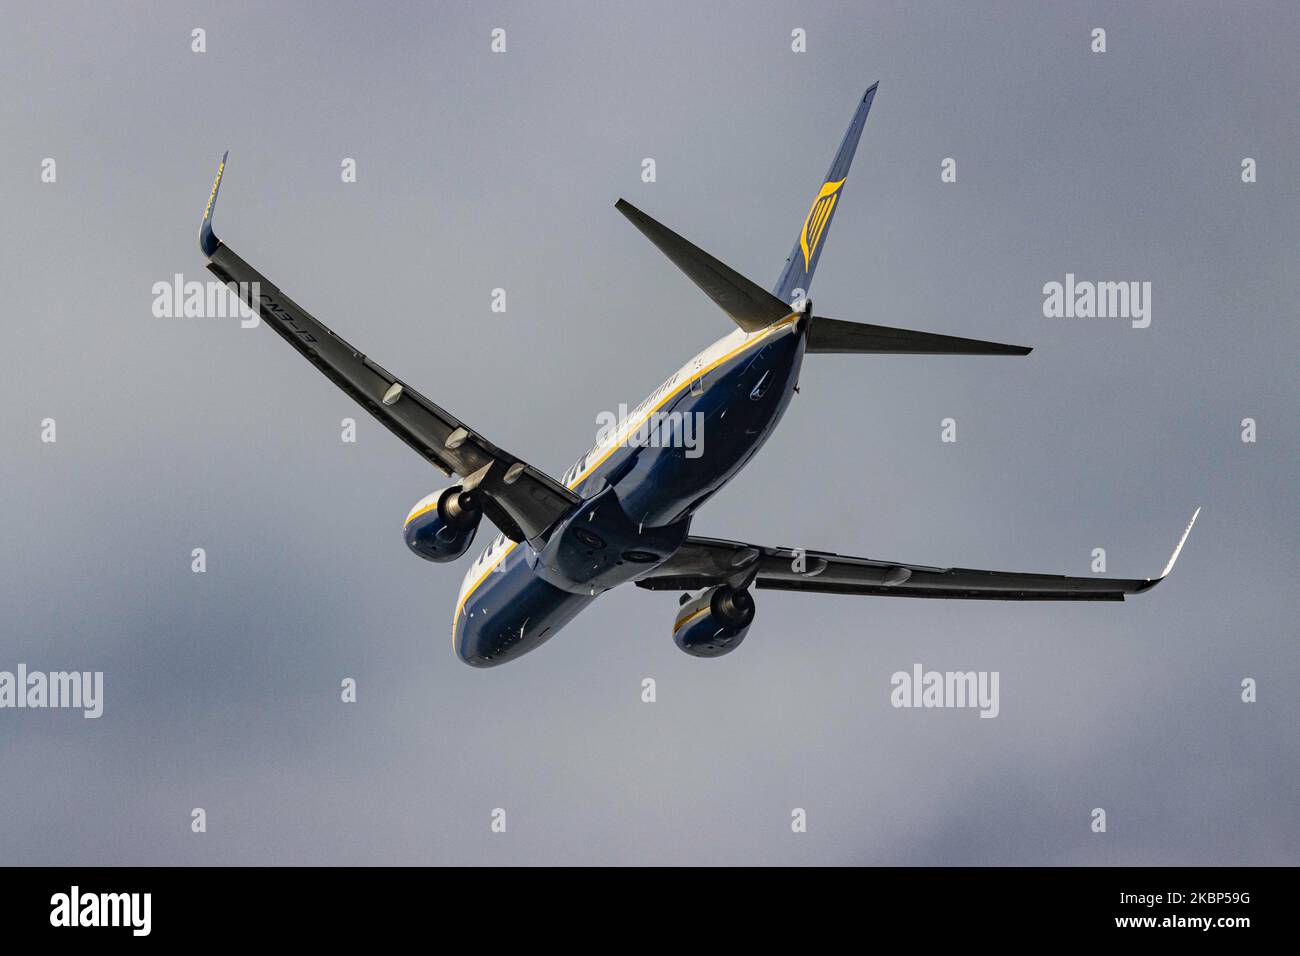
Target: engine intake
[441, 527]
[714, 623]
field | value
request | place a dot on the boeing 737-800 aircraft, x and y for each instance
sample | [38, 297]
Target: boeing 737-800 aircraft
[622, 513]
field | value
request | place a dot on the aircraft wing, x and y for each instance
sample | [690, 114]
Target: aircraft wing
[518, 498]
[705, 562]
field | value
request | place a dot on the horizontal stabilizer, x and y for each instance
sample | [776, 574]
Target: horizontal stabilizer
[750, 306]
[836, 335]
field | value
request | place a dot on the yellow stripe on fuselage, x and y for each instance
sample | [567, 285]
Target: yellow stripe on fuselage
[423, 511]
[702, 611]
[766, 333]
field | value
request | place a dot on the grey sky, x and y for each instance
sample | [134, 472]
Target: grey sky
[477, 171]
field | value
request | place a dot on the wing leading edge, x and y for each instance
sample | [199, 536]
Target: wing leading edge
[705, 562]
[518, 498]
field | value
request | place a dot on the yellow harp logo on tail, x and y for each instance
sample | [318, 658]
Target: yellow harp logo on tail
[818, 216]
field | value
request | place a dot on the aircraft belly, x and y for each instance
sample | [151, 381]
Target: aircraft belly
[515, 609]
[512, 612]
[739, 406]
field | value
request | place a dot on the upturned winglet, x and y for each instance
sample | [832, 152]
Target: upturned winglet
[1179, 547]
[208, 240]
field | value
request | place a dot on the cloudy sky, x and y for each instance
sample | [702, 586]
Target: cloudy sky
[479, 170]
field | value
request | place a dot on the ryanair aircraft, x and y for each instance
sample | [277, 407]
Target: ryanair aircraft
[622, 513]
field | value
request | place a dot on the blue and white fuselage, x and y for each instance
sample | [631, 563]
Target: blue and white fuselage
[511, 601]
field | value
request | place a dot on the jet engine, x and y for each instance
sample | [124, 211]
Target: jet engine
[441, 526]
[714, 623]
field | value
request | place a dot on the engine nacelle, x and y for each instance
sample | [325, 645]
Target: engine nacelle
[441, 526]
[714, 623]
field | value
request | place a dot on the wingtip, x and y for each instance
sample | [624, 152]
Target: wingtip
[1179, 547]
[208, 241]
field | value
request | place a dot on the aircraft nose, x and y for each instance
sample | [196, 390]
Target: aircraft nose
[473, 646]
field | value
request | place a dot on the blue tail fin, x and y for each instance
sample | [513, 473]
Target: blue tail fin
[796, 281]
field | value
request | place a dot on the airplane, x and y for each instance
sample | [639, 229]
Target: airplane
[623, 512]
